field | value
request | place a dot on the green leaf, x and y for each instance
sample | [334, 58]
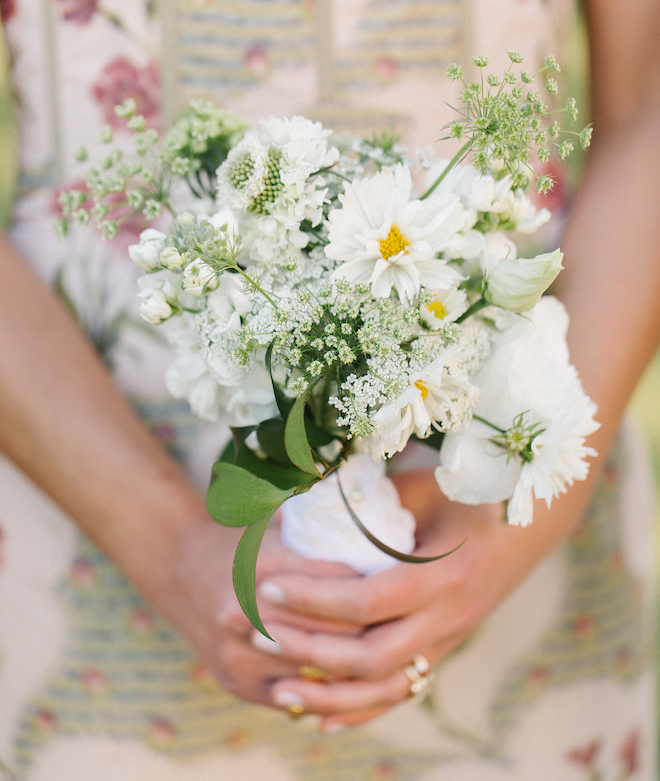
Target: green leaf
[295, 438]
[316, 436]
[238, 498]
[244, 572]
[407, 557]
[271, 438]
[240, 434]
[284, 403]
[281, 476]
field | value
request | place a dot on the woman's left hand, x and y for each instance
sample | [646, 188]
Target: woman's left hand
[410, 609]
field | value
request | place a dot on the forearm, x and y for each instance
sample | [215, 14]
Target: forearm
[65, 424]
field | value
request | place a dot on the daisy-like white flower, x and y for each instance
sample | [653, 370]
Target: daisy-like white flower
[427, 403]
[527, 438]
[385, 238]
[445, 307]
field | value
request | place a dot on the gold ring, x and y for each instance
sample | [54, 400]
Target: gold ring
[311, 673]
[419, 673]
[295, 712]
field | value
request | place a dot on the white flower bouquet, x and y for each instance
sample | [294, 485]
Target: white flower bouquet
[339, 301]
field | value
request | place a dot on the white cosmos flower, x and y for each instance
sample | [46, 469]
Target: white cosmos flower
[427, 403]
[446, 307]
[387, 239]
[528, 373]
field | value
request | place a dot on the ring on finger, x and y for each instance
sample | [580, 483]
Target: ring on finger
[295, 712]
[419, 673]
[311, 673]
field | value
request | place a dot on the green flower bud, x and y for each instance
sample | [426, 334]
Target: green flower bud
[518, 284]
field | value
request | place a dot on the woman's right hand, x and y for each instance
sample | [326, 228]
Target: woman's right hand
[200, 601]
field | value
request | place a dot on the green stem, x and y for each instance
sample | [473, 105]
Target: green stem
[254, 284]
[492, 425]
[456, 159]
[478, 305]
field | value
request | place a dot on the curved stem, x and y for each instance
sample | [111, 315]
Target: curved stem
[456, 159]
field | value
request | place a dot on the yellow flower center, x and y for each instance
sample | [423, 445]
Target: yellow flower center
[423, 388]
[394, 243]
[437, 309]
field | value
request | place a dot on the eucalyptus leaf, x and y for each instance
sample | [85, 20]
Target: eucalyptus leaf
[238, 498]
[295, 438]
[244, 572]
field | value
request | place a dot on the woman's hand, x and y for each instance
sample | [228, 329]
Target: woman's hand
[409, 609]
[196, 594]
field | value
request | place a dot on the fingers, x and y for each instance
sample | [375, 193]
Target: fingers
[366, 699]
[376, 654]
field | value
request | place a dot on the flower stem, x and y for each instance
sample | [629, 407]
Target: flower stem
[456, 159]
[480, 304]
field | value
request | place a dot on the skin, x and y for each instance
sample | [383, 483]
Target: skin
[63, 422]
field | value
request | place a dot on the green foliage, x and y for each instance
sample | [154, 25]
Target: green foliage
[295, 438]
[244, 572]
[237, 498]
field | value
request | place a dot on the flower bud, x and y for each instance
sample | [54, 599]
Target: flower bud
[199, 277]
[518, 284]
[171, 259]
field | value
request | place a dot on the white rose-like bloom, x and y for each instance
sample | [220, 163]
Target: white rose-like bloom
[317, 524]
[228, 302]
[446, 307]
[188, 378]
[482, 251]
[527, 372]
[146, 254]
[199, 277]
[426, 403]
[388, 240]
[252, 399]
[517, 284]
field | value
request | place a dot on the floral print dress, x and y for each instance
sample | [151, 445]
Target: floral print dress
[94, 685]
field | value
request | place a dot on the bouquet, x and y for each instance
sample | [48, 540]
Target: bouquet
[339, 300]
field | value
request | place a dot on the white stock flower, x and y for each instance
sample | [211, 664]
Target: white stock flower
[384, 238]
[527, 379]
[445, 307]
[158, 297]
[228, 303]
[518, 284]
[146, 254]
[252, 399]
[427, 403]
[188, 378]
[199, 277]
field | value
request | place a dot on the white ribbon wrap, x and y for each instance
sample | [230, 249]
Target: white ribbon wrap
[318, 525]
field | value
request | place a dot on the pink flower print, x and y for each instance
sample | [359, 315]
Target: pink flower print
[256, 60]
[82, 573]
[585, 756]
[7, 9]
[386, 68]
[94, 681]
[385, 770]
[142, 622]
[584, 626]
[161, 733]
[237, 738]
[629, 753]
[78, 11]
[2, 546]
[119, 80]
[46, 720]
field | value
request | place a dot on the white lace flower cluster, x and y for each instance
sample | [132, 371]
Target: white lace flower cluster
[393, 312]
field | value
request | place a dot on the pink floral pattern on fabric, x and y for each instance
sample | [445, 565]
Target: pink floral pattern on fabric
[7, 9]
[79, 11]
[587, 756]
[121, 79]
[2, 546]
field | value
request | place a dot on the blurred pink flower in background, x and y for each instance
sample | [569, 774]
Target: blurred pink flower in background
[79, 11]
[7, 9]
[121, 79]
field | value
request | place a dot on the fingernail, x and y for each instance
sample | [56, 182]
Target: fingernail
[271, 592]
[287, 699]
[333, 728]
[264, 644]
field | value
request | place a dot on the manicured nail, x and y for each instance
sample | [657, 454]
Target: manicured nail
[271, 592]
[264, 644]
[333, 728]
[286, 699]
